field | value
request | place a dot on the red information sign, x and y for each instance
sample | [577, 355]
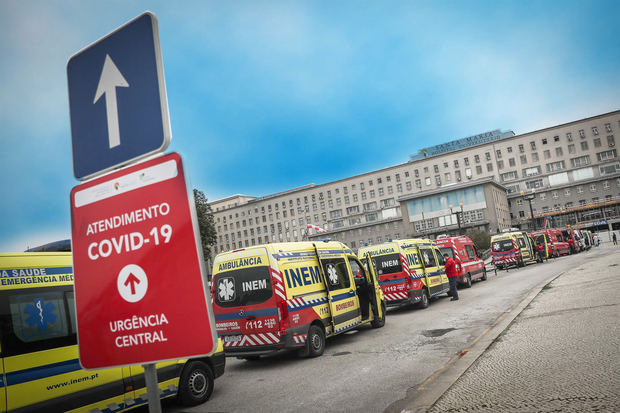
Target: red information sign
[139, 290]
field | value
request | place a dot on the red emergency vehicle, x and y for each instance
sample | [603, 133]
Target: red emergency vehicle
[469, 265]
[553, 241]
[573, 240]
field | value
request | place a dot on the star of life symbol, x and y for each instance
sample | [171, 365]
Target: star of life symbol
[40, 314]
[332, 274]
[226, 289]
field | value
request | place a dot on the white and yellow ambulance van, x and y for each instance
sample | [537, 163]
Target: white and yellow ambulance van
[291, 296]
[40, 369]
[410, 271]
[512, 248]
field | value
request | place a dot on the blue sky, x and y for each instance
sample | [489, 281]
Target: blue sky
[267, 96]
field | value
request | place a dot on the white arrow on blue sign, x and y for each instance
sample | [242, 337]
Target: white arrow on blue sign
[117, 99]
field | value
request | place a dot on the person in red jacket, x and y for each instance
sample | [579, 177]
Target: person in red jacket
[452, 274]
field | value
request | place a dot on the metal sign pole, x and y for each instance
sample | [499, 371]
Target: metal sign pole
[152, 390]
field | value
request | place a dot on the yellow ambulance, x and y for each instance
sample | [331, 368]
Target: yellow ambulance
[512, 248]
[40, 370]
[291, 296]
[410, 271]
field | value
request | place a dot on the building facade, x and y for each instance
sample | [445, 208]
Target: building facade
[566, 174]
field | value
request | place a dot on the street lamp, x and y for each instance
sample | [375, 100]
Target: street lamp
[529, 198]
[458, 214]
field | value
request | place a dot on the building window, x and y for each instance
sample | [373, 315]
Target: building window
[477, 158]
[527, 172]
[399, 187]
[508, 176]
[533, 145]
[534, 156]
[456, 163]
[593, 187]
[544, 141]
[580, 161]
[556, 166]
[381, 191]
[606, 185]
[555, 195]
[558, 151]
[391, 189]
[397, 178]
[478, 170]
[567, 192]
[408, 185]
[487, 155]
[445, 164]
[523, 159]
[547, 153]
[416, 173]
[584, 145]
[580, 189]
[509, 149]
[511, 162]
[466, 160]
[418, 183]
[498, 153]
[427, 181]
[519, 202]
[521, 148]
[606, 155]
[500, 165]
[597, 142]
[447, 177]
[571, 148]
[594, 130]
[363, 196]
[608, 127]
[611, 142]
[372, 193]
[556, 138]
[438, 180]
[468, 173]
[354, 197]
[609, 169]
[582, 134]
[489, 167]
[569, 137]
[436, 168]
[534, 184]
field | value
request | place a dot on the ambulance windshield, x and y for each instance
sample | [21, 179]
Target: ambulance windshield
[245, 286]
[502, 246]
[387, 264]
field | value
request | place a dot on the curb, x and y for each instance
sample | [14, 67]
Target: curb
[423, 397]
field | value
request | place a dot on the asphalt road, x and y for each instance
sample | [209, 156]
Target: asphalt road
[374, 370]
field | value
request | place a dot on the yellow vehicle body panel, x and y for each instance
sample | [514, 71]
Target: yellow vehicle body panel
[40, 364]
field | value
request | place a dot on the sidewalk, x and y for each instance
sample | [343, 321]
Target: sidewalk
[561, 354]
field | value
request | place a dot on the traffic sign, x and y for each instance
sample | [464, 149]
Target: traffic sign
[117, 99]
[139, 279]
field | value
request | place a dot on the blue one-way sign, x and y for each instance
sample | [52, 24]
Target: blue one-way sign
[117, 99]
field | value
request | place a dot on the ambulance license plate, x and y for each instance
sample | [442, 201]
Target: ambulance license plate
[232, 339]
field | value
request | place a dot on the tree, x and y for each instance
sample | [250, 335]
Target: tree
[206, 223]
[481, 239]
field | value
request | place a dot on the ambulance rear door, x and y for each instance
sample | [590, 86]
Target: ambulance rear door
[245, 294]
[433, 272]
[343, 301]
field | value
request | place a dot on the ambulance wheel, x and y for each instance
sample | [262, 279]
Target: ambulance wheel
[520, 263]
[484, 274]
[196, 383]
[468, 281]
[315, 342]
[379, 322]
[424, 300]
